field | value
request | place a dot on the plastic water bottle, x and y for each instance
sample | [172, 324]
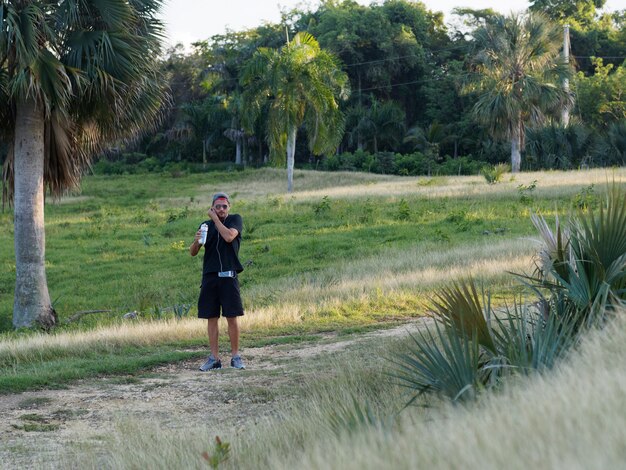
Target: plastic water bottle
[204, 228]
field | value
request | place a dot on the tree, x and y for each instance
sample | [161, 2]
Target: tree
[578, 12]
[301, 84]
[380, 124]
[74, 76]
[517, 74]
[427, 140]
[206, 120]
[601, 98]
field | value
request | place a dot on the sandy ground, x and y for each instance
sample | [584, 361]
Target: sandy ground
[36, 426]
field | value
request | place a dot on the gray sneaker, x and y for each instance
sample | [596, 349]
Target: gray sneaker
[210, 364]
[237, 363]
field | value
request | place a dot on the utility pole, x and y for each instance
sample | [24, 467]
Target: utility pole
[566, 46]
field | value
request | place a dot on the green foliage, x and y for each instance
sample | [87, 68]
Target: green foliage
[219, 455]
[322, 206]
[611, 149]
[558, 146]
[300, 84]
[493, 173]
[404, 211]
[585, 197]
[440, 362]
[588, 261]
[526, 191]
[600, 97]
[471, 347]
[94, 75]
[518, 64]
[400, 164]
[579, 12]
[580, 280]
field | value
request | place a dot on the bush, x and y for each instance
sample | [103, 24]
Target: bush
[390, 163]
[556, 146]
[579, 282]
[493, 173]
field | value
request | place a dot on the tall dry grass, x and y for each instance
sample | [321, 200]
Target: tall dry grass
[574, 418]
[313, 185]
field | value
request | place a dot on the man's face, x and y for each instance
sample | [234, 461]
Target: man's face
[221, 208]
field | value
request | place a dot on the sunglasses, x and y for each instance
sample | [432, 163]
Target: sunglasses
[221, 206]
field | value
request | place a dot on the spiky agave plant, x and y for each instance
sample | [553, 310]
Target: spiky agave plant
[586, 265]
[469, 347]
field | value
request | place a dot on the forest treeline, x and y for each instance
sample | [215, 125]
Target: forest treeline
[412, 101]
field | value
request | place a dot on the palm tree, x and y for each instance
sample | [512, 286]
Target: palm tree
[379, 123]
[427, 140]
[302, 84]
[205, 120]
[234, 131]
[518, 73]
[74, 76]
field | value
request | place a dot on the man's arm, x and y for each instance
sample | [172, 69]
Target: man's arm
[228, 234]
[194, 248]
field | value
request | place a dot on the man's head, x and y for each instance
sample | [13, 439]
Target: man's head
[221, 205]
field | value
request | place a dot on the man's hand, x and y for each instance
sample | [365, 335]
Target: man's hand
[213, 215]
[195, 246]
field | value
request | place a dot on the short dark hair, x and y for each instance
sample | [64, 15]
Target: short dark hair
[217, 196]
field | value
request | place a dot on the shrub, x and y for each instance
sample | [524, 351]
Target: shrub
[580, 280]
[493, 173]
[586, 263]
[470, 347]
[558, 146]
[390, 163]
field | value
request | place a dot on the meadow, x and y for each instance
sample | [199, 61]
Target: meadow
[345, 254]
[121, 244]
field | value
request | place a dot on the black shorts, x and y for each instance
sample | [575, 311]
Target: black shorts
[219, 292]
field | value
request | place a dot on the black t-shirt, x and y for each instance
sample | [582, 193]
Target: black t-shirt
[219, 255]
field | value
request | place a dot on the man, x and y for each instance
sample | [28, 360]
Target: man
[220, 286]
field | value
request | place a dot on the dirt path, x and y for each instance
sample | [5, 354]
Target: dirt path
[35, 426]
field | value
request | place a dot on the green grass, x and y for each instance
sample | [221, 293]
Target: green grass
[57, 373]
[130, 248]
[345, 251]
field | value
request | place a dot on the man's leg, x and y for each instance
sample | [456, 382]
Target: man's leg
[213, 330]
[233, 334]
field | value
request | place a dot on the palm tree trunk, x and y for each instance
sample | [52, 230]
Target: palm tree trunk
[238, 151]
[32, 300]
[245, 157]
[291, 151]
[516, 157]
[204, 146]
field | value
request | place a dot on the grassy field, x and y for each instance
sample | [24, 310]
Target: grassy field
[345, 254]
[121, 244]
[345, 251]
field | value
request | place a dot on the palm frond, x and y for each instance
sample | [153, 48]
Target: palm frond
[529, 339]
[441, 362]
[459, 308]
[91, 65]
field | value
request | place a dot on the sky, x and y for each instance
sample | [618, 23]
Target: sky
[187, 21]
